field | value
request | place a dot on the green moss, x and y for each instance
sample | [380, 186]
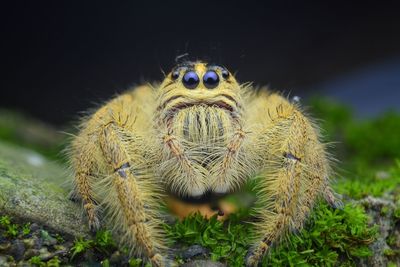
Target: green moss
[104, 242]
[12, 230]
[80, 246]
[389, 252]
[5, 221]
[105, 263]
[135, 262]
[26, 229]
[360, 186]
[375, 141]
[329, 236]
[37, 261]
[59, 238]
[226, 242]
[332, 236]
[54, 262]
[396, 213]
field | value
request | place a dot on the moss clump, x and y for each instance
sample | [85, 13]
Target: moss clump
[103, 243]
[80, 246]
[137, 263]
[331, 237]
[226, 241]
[37, 261]
[371, 184]
[101, 247]
[12, 230]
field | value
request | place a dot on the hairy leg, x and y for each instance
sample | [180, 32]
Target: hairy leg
[113, 160]
[85, 175]
[225, 175]
[295, 172]
[190, 184]
[134, 198]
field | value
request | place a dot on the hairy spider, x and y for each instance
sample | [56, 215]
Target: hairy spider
[197, 133]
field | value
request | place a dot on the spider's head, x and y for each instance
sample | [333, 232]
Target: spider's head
[199, 84]
[200, 105]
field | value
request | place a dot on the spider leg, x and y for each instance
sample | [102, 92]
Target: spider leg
[184, 166]
[294, 173]
[133, 202]
[85, 166]
[113, 158]
[223, 173]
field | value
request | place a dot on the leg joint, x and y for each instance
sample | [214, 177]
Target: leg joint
[122, 170]
[289, 155]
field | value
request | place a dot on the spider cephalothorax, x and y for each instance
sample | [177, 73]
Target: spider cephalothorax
[199, 107]
[197, 133]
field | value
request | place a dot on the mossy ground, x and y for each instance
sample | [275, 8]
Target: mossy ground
[369, 165]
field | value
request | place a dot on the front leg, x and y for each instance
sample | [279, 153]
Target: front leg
[294, 173]
[134, 201]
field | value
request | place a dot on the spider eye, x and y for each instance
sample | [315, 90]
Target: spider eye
[190, 80]
[175, 75]
[225, 74]
[210, 79]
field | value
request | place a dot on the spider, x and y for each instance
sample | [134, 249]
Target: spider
[198, 133]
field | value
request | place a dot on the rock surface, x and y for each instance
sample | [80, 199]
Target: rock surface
[381, 212]
[36, 190]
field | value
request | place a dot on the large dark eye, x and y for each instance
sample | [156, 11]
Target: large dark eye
[190, 80]
[210, 79]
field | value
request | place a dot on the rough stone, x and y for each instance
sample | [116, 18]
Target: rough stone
[37, 242]
[29, 242]
[3, 261]
[30, 253]
[48, 240]
[17, 249]
[116, 257]
[34, 227]
[5, 247]
[194, 251]
[36, 190]
[384, 220]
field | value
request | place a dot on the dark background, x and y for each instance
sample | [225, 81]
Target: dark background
[59, 58]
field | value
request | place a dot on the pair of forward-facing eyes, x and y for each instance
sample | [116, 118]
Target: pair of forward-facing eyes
[191, 80]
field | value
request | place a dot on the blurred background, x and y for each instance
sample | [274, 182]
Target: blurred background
[60, 58]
